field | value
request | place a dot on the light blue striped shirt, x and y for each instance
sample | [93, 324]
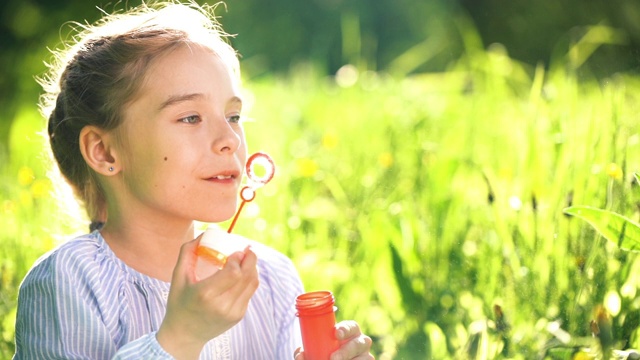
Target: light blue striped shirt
[82, 302]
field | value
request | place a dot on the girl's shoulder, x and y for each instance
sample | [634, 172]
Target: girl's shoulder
[79, 257]
[78, 249]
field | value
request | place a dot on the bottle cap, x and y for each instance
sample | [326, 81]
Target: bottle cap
[315, 303]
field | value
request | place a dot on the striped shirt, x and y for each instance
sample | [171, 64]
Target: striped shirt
[80, 301]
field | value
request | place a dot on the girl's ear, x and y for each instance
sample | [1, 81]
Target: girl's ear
[97, 151]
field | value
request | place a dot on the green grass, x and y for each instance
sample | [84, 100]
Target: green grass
[429, 205]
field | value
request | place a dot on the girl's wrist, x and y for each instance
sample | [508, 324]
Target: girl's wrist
[178, 345]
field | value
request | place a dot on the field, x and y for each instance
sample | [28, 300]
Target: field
[431, 205]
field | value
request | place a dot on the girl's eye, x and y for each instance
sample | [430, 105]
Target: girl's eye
[191, 119]
[234, 119]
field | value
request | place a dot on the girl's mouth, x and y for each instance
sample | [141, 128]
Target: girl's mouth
[224, 177]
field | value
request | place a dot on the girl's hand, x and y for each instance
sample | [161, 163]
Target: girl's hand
[198, 311]
[353, 343]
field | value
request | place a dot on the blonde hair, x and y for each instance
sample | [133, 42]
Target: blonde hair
[99, 72]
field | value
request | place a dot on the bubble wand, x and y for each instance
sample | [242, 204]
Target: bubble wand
[248, 192]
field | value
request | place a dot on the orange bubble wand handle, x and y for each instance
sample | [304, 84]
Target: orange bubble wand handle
[248, 193]
[244, 201]
[235, 217]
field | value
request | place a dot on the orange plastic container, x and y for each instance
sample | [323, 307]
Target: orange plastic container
[215, 246]
[213, 256]
[316, 313]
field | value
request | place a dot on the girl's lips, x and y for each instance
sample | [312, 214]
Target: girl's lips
[223, 177]
[226, 176]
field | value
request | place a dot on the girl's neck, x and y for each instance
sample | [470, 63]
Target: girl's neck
[151, 249]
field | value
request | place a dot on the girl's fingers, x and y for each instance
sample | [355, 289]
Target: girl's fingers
[347, 329]
[249, 260]
[249, 281]
[184, 270]
[355, 348]
[355, 345]
[239, 269]
[246, 287]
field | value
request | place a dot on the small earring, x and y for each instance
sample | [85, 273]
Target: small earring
[111, 168]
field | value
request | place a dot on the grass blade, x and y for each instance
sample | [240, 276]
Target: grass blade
[616, 228]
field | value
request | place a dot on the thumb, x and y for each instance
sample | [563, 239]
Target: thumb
[184, 272]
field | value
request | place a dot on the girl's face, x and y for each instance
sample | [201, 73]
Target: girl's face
[182, 146]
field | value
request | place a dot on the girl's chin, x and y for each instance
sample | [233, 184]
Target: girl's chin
[217, 216]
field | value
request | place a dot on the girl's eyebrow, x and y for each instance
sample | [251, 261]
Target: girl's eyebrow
[235, 100]
[175, 99]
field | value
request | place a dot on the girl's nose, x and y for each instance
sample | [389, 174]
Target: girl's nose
[226, 138]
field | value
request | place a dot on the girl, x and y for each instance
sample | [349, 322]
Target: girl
[144, 123]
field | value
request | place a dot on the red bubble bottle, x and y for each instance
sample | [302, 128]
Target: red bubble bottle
[316, 312]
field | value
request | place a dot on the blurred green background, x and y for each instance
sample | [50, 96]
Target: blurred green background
[426, 151]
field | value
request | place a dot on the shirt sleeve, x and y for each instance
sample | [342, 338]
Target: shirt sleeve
[58, 318]
[143, 347]
[287, 287]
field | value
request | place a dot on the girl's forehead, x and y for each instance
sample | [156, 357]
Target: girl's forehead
[187, 73]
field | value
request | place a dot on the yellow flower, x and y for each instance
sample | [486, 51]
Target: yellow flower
[25, 176]
[581, 355]
[40, 188]
[385, 159]
[329, 141]
[307, 167]
[614, 171]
